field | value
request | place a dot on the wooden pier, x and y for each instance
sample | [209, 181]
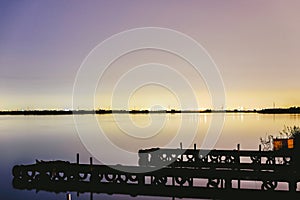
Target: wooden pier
[189, 173]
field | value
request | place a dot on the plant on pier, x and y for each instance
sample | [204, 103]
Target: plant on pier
[290, 132]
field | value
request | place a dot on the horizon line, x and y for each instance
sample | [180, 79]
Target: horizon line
[290, 110]
[102, 109]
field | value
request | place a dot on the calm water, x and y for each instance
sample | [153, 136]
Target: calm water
[26, 138]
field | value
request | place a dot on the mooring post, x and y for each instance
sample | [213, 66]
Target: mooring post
[181, 157]
[68, 196]
[91, 196]
[259, 147]
[238, 162]
[91, 161]
[195, 146]
[77, 158]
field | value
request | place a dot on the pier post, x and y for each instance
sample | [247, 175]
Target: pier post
[238, 162]
[181, 156]
[141, 179]
[292, 186]
[228, 184]
[195, 146]
[222, 183]
[77, 158]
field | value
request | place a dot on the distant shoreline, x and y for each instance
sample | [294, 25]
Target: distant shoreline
[291, 110]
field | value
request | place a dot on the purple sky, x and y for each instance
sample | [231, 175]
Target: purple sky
[255, 45]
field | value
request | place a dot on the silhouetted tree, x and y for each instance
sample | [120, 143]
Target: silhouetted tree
[290, 132]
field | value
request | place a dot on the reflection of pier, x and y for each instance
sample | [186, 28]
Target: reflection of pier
[172, 172]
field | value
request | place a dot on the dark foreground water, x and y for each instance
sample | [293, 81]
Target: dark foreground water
[23, 139]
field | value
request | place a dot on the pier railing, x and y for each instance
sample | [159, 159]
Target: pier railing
[201, 158]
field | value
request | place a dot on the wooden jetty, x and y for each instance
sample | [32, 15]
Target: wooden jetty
[189, 173]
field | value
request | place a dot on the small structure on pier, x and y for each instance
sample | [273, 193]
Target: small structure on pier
[280, 144]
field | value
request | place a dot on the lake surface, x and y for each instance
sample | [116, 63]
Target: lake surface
[27, 138]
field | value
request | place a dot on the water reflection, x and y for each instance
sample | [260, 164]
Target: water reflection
[150, 132]
[133, 191]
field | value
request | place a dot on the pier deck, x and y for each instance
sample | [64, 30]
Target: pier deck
[180, 173]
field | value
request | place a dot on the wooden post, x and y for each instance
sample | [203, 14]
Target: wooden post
[141, 179]
[173, 181]
[292, 186]
[181, 157]
[77, 158]
[68, 196]
[91, 161]
[228, 184]
[91, 196]
[259, 147]
[239, 181]
[195, 146]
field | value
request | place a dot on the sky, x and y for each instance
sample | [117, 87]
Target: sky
[254, 44]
